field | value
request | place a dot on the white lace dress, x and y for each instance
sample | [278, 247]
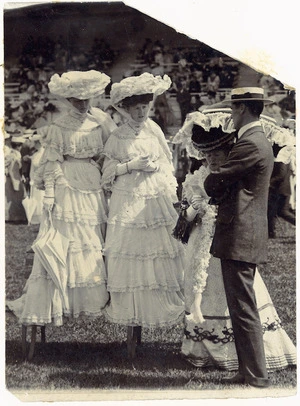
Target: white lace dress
[144, 262]
[79, 212]
[211, 343]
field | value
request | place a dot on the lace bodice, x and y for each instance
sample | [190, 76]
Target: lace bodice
[73, 134]
[77, 135]
[128, 142]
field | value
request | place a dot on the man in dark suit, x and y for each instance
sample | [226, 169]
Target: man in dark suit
[241, 187]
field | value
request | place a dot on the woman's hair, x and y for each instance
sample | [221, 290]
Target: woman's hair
[137, 98]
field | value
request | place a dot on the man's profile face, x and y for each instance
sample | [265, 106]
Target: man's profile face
[236, 115]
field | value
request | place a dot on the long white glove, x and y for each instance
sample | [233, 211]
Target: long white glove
[196, 315]
[48, 201]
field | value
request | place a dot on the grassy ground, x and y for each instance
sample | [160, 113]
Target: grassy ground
[92, 355]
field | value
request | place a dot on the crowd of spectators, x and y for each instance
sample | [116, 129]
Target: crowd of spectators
[197, 73]
[199, 77]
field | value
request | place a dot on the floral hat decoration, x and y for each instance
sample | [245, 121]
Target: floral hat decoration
[81, 85]
[146, 83]
[212, 125]
[221, 117]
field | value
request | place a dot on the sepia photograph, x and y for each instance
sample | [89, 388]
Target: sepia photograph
[148, 203]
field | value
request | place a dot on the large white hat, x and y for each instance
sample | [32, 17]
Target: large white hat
[81, 85]
[146, 83]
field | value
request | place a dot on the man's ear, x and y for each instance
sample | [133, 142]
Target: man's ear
[243, 108]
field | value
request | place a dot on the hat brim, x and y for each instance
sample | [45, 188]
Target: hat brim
[230, 101]
[212, 146]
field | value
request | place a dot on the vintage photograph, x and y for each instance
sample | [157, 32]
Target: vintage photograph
[150, 211]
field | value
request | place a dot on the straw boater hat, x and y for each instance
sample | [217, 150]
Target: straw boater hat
[77, 84]
[241, 94]
[138, 85]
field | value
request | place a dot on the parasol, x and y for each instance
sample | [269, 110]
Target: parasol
[29, 205]
[52, 250]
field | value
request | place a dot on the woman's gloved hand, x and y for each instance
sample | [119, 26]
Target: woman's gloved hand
[151, 167]
[48, 203]
[139, 163]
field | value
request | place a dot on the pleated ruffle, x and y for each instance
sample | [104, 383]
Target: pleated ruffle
[279, 351]
[159, 273]
[72, 206]
[42, 304]
[150, 308]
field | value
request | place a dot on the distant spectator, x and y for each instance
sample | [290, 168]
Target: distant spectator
[161, 105]
[147, 50]
[168, 60]
[194, 85]
[14, 190]
[195, 103]
[183, 98]
[288, 105]
[213, 82]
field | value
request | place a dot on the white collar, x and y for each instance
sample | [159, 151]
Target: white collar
[246, 127]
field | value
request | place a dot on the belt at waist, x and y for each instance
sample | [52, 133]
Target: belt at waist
[73, 159]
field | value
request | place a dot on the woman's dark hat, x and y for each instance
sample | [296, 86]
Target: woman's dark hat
[210, 140]
[241, 94]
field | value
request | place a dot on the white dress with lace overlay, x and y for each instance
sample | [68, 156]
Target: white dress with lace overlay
[211, 343]
[79, 211]
[144, 262]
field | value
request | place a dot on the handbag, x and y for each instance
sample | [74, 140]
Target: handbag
[183, 227]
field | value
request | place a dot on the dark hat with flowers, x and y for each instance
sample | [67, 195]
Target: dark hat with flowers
[208, 140]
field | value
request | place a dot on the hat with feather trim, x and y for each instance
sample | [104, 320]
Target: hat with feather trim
[77, 84]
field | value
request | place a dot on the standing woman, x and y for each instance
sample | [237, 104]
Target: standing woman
[74, 201]
[144, 263]
[209, 340]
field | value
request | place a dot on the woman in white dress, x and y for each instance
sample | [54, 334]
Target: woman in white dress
[144, 263]
[208, 335]
[75, 203]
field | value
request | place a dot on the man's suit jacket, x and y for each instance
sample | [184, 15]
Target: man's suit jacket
[242, 187]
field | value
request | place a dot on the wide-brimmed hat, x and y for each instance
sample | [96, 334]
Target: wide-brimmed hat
[77, 84]
[241, 94]
[146, 83]
[213, 131]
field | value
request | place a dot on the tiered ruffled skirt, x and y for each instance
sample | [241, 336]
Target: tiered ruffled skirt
[79, 213]
[144, 262]
[211, 344]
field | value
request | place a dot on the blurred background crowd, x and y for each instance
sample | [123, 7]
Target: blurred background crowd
[201, 77]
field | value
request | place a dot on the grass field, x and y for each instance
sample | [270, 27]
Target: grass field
[92, 355]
